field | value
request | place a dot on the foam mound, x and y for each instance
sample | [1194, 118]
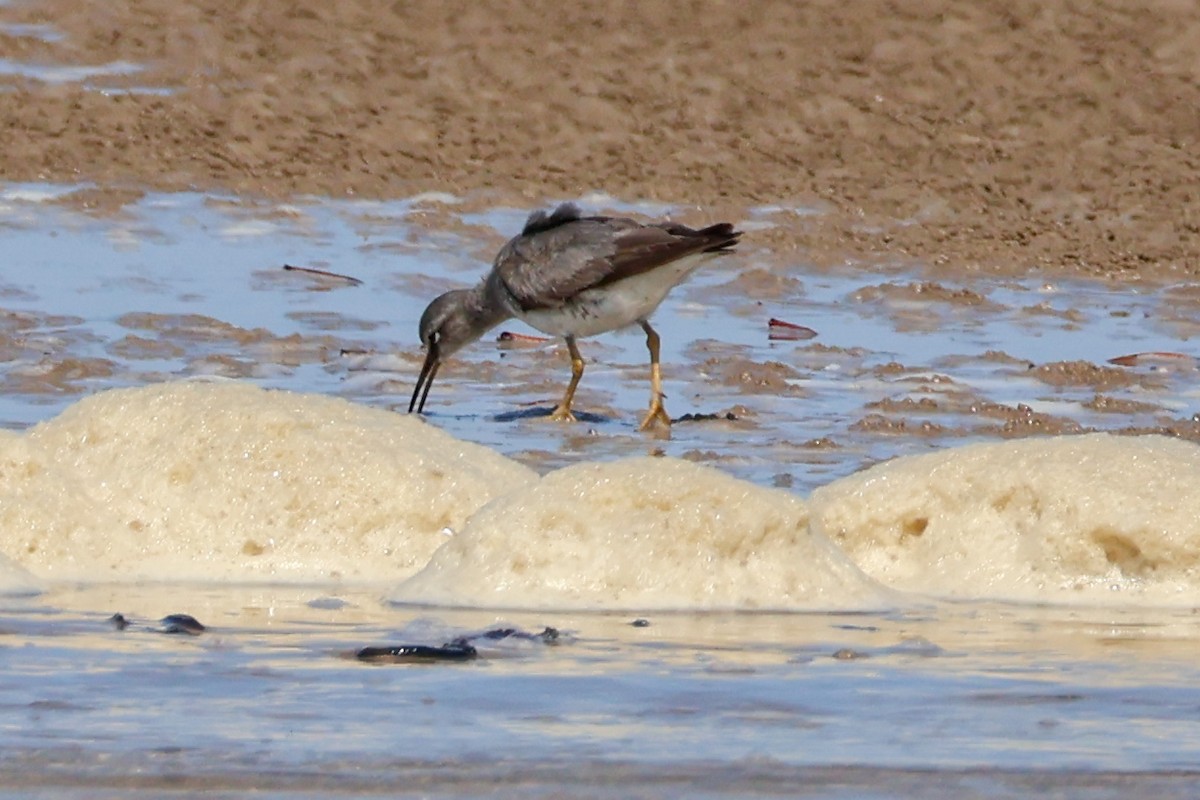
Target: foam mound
[1092, 519]
[16, 580]
[226, 481]
[642, 533]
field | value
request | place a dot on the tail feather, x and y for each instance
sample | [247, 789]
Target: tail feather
[540, 221]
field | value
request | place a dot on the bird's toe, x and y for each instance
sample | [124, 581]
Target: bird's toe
[656, 417]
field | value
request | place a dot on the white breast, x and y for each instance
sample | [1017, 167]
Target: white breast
[615, 305]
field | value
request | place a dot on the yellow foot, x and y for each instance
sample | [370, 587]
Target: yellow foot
[656, 415]
[562, 414]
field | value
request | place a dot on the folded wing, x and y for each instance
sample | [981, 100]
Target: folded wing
[561, 254]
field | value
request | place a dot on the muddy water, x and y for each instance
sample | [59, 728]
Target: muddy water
[103, 289]
[108, 289]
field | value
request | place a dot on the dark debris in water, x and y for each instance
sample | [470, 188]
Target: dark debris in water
[849, 654]
[728, 416]
[510, 339]
[324, 276]
[1158, 361]
[547, 635]
[459, 648]
[181, 623]
[170, 624]
[781, 330]
[417, 653]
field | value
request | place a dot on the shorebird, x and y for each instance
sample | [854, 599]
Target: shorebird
[573, 276]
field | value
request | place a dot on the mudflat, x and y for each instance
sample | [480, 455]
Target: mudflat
[1000, 137]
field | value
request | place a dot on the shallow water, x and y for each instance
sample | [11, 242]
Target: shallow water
[969, 699]
[170, 286]
[954, 701]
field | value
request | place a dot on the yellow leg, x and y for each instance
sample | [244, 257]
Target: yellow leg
[656, 413]
[563, 412]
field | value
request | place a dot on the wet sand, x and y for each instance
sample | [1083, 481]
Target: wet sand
[1054, 137]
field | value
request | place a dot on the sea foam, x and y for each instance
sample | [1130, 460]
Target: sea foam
[642, 533]
[225, 481]
[1095, 519]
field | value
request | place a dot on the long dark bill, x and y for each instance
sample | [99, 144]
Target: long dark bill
[425, 379]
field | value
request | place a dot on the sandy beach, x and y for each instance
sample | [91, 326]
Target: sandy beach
[998, 137]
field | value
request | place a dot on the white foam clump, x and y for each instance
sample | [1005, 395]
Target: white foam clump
[16, 580]
[641, 533]
[226, 481]
[1092, 519]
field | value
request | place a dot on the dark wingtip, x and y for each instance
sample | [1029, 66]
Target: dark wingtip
[540, 221]
[722, 237]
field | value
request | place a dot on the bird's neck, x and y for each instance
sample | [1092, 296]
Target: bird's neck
[481, 307]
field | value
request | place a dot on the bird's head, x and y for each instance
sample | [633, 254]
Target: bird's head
[448, 324]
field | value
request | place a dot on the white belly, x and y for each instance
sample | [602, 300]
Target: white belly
[614, 306]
